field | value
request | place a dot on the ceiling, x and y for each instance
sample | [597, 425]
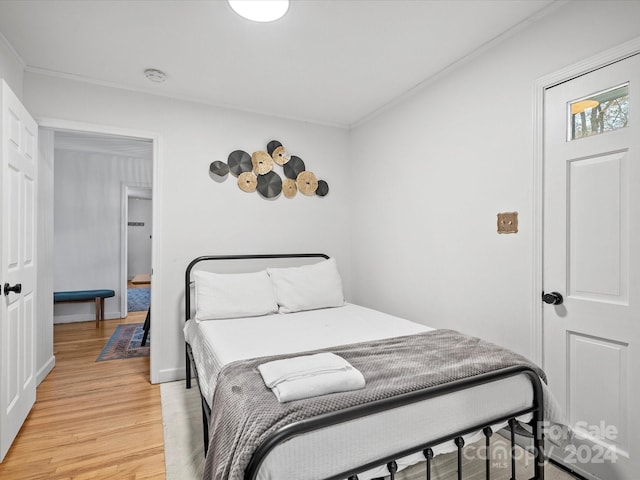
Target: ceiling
[332, 62]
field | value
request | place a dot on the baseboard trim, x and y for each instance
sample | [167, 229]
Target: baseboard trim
[168, 375]
[45, 370]
[83, 317]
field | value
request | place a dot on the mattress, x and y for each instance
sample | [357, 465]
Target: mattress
[219, 342]
[216, 343]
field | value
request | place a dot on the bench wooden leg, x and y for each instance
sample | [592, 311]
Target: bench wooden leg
[99, 310]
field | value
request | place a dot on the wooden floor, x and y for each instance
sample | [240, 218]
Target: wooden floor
[98, 420]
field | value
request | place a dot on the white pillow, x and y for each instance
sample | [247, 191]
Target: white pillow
[233, 295]
[308, 287]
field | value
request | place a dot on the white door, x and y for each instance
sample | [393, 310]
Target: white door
[18, 167]
[591, 247]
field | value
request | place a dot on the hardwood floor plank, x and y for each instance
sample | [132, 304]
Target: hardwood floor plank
[91, 420]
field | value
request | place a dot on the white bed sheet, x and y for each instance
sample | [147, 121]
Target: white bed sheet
[216, 343]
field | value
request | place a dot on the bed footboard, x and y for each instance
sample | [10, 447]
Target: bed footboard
[322, 421]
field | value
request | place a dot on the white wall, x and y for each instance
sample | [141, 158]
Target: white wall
[431, 173]
[197, 215]
[139, 237]
[11, 67]
[87, 226]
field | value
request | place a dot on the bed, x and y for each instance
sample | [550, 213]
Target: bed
[371, 439]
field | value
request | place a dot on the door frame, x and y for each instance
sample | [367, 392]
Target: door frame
[583, 67]
[156, 243]
[129, 190]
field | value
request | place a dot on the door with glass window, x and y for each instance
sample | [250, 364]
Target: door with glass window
[591, 261]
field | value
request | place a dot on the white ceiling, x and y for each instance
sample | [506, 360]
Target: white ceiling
[328, 61]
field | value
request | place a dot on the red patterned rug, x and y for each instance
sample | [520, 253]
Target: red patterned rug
[125, 343]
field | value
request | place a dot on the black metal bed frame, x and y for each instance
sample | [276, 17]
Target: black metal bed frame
[332, 418]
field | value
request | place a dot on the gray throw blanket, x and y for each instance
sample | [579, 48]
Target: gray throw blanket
[390, 367]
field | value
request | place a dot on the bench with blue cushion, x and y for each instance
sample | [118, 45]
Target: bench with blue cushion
[76, 296]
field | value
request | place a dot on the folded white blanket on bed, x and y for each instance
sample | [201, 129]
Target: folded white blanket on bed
[321, 384]
[299, 367]
[310, 376]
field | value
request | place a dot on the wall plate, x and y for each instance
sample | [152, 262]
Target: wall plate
[508, 222]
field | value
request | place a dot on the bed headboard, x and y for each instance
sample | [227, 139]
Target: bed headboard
[259, 256]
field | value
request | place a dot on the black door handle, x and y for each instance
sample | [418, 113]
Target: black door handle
[17, 288]
[553, 298]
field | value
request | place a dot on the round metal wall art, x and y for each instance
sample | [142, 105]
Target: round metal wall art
[239, 162]
[272, 145]
[323, 188]
[269, 185]
[219, 168]
[294, 167]
[255, 172]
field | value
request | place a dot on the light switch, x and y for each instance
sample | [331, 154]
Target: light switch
[508, 222]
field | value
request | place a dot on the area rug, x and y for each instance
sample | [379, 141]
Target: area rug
[138, 299]
[182, 426]
[125, 343]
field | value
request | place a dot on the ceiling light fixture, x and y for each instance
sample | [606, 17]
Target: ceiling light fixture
[260, 10]
[154, 75]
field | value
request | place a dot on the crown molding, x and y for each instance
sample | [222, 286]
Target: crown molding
[184, 98]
